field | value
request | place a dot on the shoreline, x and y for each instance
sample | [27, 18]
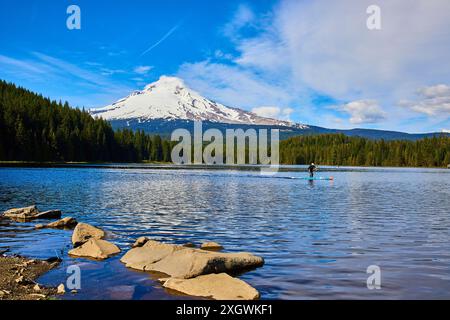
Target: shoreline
[202, 271]
[18, 278]
[171, 166]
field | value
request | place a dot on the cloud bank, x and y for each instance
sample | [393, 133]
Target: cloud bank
[433, 101]
[304, 49]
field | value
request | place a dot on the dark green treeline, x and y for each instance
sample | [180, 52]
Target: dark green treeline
[338, 149]
[34, 128]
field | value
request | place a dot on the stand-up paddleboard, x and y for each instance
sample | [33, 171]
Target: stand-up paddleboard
[316, 178]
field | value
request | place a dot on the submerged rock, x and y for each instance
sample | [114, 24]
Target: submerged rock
[140, 242]
[96, 249]
[181, 262]
[67, 222]
[216, 286]
[211, 246]
[83, 232]
[31, 213]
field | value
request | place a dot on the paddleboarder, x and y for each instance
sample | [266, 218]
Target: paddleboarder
[312, 168]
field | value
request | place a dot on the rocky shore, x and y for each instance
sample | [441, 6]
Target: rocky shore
[18, 278]
[203, 271]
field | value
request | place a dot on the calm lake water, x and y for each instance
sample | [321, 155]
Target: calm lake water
[317, 237]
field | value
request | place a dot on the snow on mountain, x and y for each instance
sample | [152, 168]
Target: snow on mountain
[169, 98]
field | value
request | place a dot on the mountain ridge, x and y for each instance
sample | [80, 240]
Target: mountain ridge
[168, 104]
[169, 98]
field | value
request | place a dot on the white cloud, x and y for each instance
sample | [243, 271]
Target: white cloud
[274, 112]
[328, 48]
[445, 130]
[268, 112]
[110, 72]
[19, 66]
[364, 111]
[232, 86]
[219, 54]
[309, 48]
[41, 68]
[73, 70]
[243, 17]
[143, 69]
[433, 101]
[440, 90]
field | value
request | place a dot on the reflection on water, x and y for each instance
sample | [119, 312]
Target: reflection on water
[317, 237]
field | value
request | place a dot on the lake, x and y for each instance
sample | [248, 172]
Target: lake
[317, 237]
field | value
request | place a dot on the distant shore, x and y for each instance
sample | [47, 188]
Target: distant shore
[171, 166]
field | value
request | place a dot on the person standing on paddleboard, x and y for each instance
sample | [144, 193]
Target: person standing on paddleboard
[312, 168]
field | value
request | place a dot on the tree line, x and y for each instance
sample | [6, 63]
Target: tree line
[34, 128]
[338, 149]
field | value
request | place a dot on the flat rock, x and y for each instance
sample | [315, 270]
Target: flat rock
[22, 212]
[184, 263]
[140, 242]
[95, 249]
[216, 286]
[67, 222]
[31, 213]
[83, 232]
[211, 246]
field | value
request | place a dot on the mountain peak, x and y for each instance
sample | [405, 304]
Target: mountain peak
[170, 99]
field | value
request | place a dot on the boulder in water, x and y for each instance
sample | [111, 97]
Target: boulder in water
[95, 249]
[83, 232]
[181, 262]
[66, 223]
[31, 213]
[216, 286]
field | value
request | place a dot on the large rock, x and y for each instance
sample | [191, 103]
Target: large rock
[211, 246]
[21, 212]
[66, 223]
[83, 232]
[185, 263]
[216, 286]
[96, 249]
[31, 213]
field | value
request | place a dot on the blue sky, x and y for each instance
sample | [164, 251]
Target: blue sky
[314, 62]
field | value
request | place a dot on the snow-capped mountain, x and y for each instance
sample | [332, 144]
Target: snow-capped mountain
[170, 99]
